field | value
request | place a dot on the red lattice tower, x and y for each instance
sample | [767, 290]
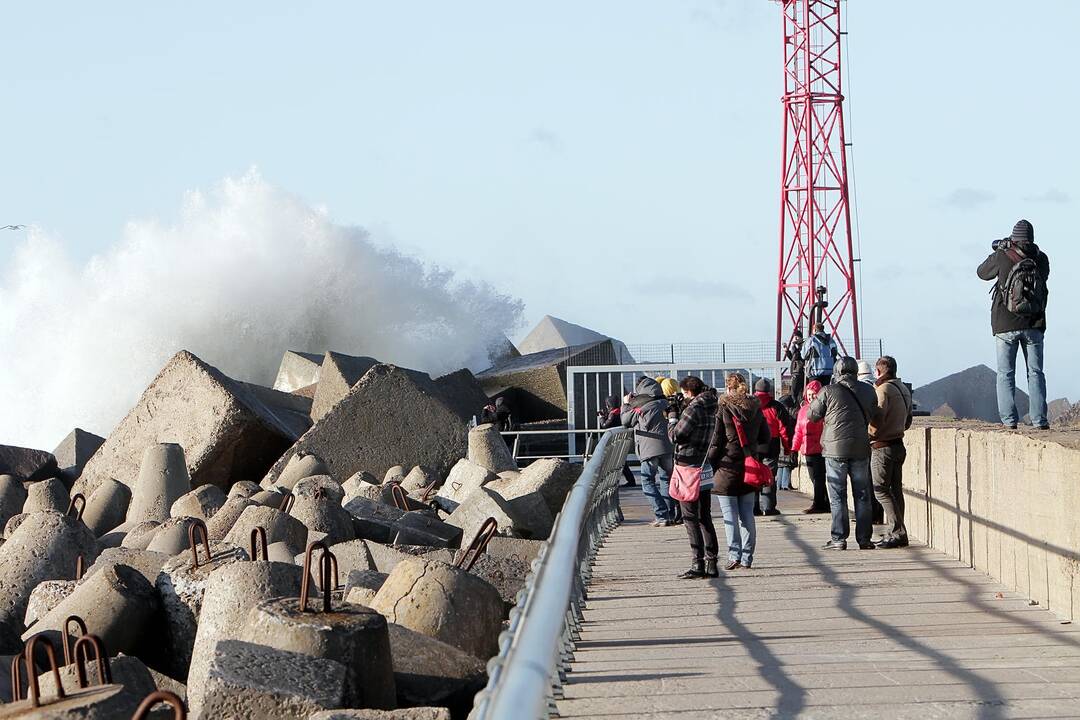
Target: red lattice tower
[815, 219]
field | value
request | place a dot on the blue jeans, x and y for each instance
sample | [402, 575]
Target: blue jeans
[837, 471]
[783, 478]
[1031, 343]
[739, 527]
[655, 480]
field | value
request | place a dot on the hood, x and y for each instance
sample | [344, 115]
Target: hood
[742, 405]
[707, 400]
[650, 388]
[763, 398]
[823, 337]
[612, 402]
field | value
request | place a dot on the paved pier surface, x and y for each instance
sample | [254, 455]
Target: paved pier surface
[810, 633]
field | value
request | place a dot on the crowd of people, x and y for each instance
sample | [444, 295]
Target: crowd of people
[846, 426]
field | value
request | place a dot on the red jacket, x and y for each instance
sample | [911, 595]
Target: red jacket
[777, 418]
[807, 433]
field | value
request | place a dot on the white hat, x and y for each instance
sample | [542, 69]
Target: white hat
[865, 371]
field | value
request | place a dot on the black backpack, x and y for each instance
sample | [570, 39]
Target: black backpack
[1024, 292]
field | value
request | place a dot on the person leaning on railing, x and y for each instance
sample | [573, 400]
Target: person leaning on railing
[692, 436]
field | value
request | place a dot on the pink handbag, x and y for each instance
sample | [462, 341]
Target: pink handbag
[685, 483]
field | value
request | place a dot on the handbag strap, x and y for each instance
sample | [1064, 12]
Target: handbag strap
[739, 431]
[858, 402]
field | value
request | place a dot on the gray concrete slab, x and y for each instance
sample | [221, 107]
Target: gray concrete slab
[810, 633]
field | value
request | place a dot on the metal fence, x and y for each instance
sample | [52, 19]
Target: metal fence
[704, 352]
[525, 678]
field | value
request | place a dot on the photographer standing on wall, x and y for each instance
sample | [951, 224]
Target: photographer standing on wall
[1018, 318]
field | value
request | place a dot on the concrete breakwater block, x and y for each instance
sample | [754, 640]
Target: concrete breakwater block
[363, 485]
[464, 478]
[99, 702]
[126, 671]
[552, 478]
[373, 519]
[228, 429]
[418, 528]
[136, 536]
[12, 497]
[74, 451]
[297, 370]
[107, 506]
[202, 503]
[298, 467]
[13, 524]
[171, 537]
[482, 504]
[319, 508]
[230, 594]
[518, 549]
[163, 479]
[364, 430]
[244, 488]
[117, 604]
[148, 563]
[394, 474]
[45, 597]
[27, 464]
[278, 526]
[425, 713]
[441, 601]
[44, 547]
[337, 375]
[247, 680]
[181, 586]
[44, 495]
[462, 392]
[222, 523]
[362, 586]
[430, 672]
[419, 479]
[387, 557]
[488, 449]
[351, 556]
[353, 635]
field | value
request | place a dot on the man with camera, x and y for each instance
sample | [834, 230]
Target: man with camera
[1019, 271]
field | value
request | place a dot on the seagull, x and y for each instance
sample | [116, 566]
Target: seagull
[12, 227]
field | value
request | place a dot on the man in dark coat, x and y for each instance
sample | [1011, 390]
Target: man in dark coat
[1018, 331]
[645, 410]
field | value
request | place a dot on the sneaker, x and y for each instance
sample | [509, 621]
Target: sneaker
[1042, 427]
[677, 521]
[774, 511]
[695, 572]
[732, 565]
[867, 546]
[835, 545]
[659, 523]
[891, 543]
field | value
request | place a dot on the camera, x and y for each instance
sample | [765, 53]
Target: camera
[1002, 244]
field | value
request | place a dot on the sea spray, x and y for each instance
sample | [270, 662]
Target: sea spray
[246, 272]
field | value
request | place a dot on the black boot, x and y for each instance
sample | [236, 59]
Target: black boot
[697, 570]
[710, 568]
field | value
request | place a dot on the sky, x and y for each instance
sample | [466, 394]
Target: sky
[615, 163]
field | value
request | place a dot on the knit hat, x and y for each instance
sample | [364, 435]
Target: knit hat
[1023, 232]
[763, 385]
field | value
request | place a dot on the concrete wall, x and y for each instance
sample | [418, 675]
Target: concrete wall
[1005, 503]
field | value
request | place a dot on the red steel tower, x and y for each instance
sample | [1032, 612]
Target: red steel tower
[817, 267]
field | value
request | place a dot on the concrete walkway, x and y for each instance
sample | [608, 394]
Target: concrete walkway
[810, 633]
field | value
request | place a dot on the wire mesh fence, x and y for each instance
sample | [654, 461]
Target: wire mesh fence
[705, 352]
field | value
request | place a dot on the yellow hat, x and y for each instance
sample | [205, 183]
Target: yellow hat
[669, 386]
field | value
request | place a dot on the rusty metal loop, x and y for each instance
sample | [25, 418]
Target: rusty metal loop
[28, 659]
[428, 491]
[259, 532]
[79, 567]
[65, 642]
[16, 678]
[401, 500]
[327, 566]
[80, 499]
[333, 572]
[198, 525]
[161, 696]
[287, 503]
[104, 670]
[478, 545]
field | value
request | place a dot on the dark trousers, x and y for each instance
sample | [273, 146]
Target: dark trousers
[697, 517]
[815, 466]
[629, 475]
[766, 499]
[887, 471]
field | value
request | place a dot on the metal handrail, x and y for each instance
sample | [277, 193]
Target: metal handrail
[526, 676]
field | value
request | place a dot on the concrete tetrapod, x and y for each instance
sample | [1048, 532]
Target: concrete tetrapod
[361, 484]
[320, 509]
[430, 672]
[231, 592]
[172, 536]
[44, 547]
[488, 449]
[279, 527]
[107, 506]
[137, 536]
[117, 604]
[45, 597]
[125, 670]
[202, 503]
[224, 519]
[163, 479]
[181, 584]
[419, 479]
[551, 477]
[12, 497]
[439, 600]
[464, 478]
[353, 635]
[299, 466]
[244, 488]
[252, 681]
[45, 495]
[146, 562]
[394, 474]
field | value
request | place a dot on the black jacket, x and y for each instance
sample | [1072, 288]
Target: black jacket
[996, 267]
[727, 458]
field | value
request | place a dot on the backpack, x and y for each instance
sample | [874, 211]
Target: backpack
[1025, 291]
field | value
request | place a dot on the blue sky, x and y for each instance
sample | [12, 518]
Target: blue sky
[579, 156]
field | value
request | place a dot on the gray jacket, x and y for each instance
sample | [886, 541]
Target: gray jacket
[645, 414]
[845, 434]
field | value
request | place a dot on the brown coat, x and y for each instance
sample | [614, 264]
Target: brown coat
[727, 459]
[894, 415]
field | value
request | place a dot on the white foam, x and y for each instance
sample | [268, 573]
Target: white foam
[247, 272]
